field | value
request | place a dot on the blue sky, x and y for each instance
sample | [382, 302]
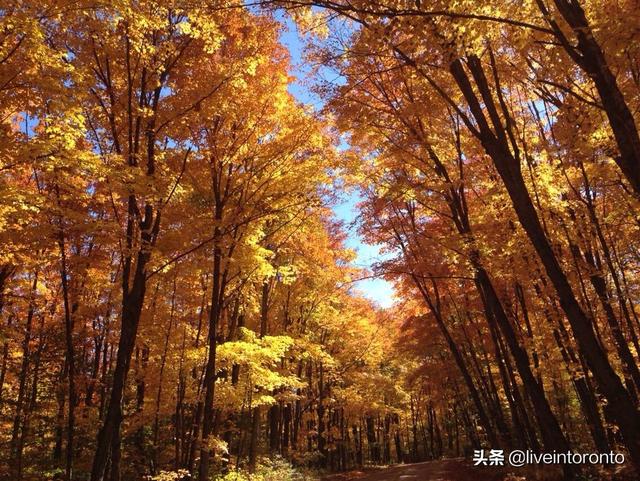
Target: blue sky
[346, 209]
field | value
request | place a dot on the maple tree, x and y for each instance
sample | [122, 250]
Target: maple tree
[177, 299]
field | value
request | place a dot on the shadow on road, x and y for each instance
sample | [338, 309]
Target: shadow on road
[443, 470]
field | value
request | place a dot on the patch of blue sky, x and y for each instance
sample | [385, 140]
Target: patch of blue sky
[345, 208]
[367, 255]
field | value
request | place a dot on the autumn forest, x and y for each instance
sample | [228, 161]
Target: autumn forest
[179, 299]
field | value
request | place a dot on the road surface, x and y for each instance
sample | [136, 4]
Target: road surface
[444, 470]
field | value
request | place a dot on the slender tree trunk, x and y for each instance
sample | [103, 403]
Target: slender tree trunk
[132, 302]
[163, 361]
[71, 370]
[552, 433]
[31, 404]
[210, 372]
[253, 440]
[5, 357]
[15, 463]
[287, 414]
[5, 273]
[181, 391]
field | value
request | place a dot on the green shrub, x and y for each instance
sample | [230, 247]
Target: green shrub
[276, 469]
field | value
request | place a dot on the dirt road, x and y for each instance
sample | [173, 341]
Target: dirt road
[445, 470]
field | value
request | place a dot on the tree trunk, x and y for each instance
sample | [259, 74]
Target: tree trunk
[15, 463]
[210, 372]
[132, 302]
[70, 352]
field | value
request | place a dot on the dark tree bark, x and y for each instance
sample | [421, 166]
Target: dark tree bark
[132, 300]
[5, 357]
[15, 462]
[70, 350]
[163, 361]
[217, 293]
[5, 274]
